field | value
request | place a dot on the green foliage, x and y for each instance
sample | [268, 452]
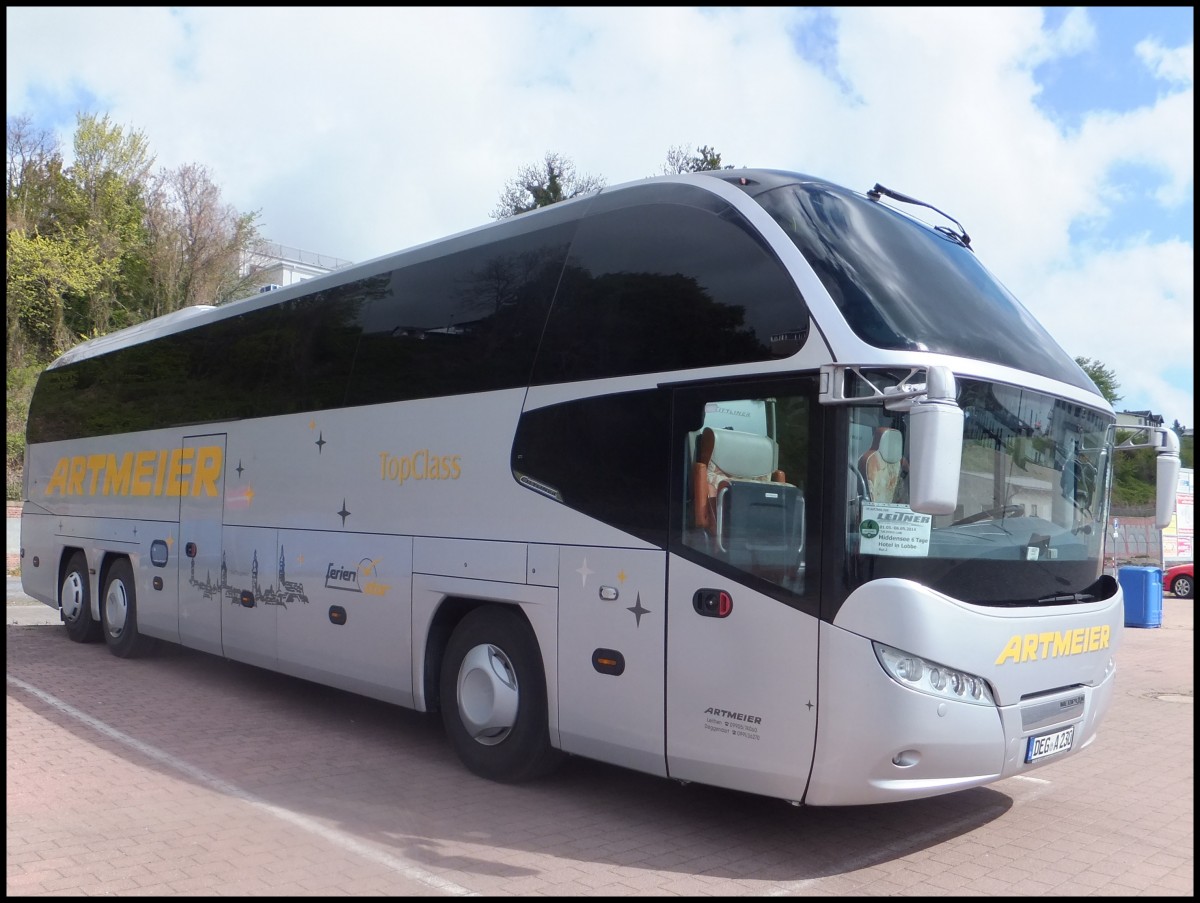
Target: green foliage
[551, 181]
[18, 390]
[681, 160]
[1104, 378]
[42, 276]
[1134, 478]
[85, 248]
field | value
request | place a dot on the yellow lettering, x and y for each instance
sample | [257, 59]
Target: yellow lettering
[78, 472]
[58, 480]
[1029, 651]
[1044, 640]
[1011, 650]
[420, 465]
[117, 479]
[162, 471]
[208, 469]
[179, 468]
[95, 466]
[149, 472]
[1052, 644]
[143, 465]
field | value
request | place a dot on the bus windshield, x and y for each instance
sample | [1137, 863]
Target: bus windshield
[1031, 503]
[904, 286]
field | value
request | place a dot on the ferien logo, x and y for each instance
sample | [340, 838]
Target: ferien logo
[163, 472]
[1031, 647]
[348, 579]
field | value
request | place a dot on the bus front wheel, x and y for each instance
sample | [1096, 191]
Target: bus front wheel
[75, 601]
[118, 613]
[493, 697]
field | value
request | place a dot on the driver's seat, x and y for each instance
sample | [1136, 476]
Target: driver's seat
[880, 465]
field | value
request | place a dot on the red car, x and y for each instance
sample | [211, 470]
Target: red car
[1179, 580]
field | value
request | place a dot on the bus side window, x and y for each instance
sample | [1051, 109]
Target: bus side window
[743, 510]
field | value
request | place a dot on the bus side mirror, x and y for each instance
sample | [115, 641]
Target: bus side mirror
[935, 438]
[1166, 479]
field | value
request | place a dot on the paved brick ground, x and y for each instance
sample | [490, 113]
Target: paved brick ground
[183, 774]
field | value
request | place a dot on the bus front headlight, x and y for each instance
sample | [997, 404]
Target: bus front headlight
[933, 678]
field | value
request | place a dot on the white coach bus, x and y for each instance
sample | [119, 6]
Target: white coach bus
[740, 478]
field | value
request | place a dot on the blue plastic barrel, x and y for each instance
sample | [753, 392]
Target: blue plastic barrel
[1143, 591]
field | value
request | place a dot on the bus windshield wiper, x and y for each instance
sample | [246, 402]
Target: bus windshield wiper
[1066, 597]
[960, 236]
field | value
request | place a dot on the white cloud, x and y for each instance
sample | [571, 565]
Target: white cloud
[360, 131]
[1169, 64]
[1133, 309]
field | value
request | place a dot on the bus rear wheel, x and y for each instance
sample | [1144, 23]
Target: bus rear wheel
[118, 613]
[493, 698]
[75, 601]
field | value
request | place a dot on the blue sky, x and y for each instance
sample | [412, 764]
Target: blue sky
[1061, 137]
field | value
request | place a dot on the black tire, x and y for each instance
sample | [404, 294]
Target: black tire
[75, 601]
[118, 613]
[1183, 587]
[493, 698]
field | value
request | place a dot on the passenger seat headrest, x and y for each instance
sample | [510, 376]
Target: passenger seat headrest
[891, 446]
[738, 454]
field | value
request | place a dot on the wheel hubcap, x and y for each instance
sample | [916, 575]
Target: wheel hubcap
[72, 596]
[116, 608]
[488, 696]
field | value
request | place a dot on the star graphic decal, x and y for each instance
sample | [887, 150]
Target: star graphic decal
[239, 467]
[343, 514]
[637, 609]
[584, 572]
[321, 443]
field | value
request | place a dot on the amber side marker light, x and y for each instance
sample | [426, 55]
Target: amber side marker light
[608, 661]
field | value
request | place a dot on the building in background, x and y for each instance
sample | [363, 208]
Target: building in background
[1138, 418]
[275, 265]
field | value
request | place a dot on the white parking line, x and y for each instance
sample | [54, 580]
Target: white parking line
[347, 842]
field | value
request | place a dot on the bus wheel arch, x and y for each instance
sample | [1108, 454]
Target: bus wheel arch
[75, 598]
[492, 694]
[118, 610]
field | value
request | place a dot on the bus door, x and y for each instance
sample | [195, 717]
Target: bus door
[742, 594]
[200, 554]
[612, 627]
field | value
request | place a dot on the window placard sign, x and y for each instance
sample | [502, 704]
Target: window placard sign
[894, 530]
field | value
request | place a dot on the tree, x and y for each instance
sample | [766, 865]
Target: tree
[196, 243]
[102, 244]
[1104, 378]
[680, 160]
[106, 201]
[541, 185]
[34, 176]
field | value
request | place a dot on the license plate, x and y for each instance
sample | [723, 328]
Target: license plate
[1049, 744]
